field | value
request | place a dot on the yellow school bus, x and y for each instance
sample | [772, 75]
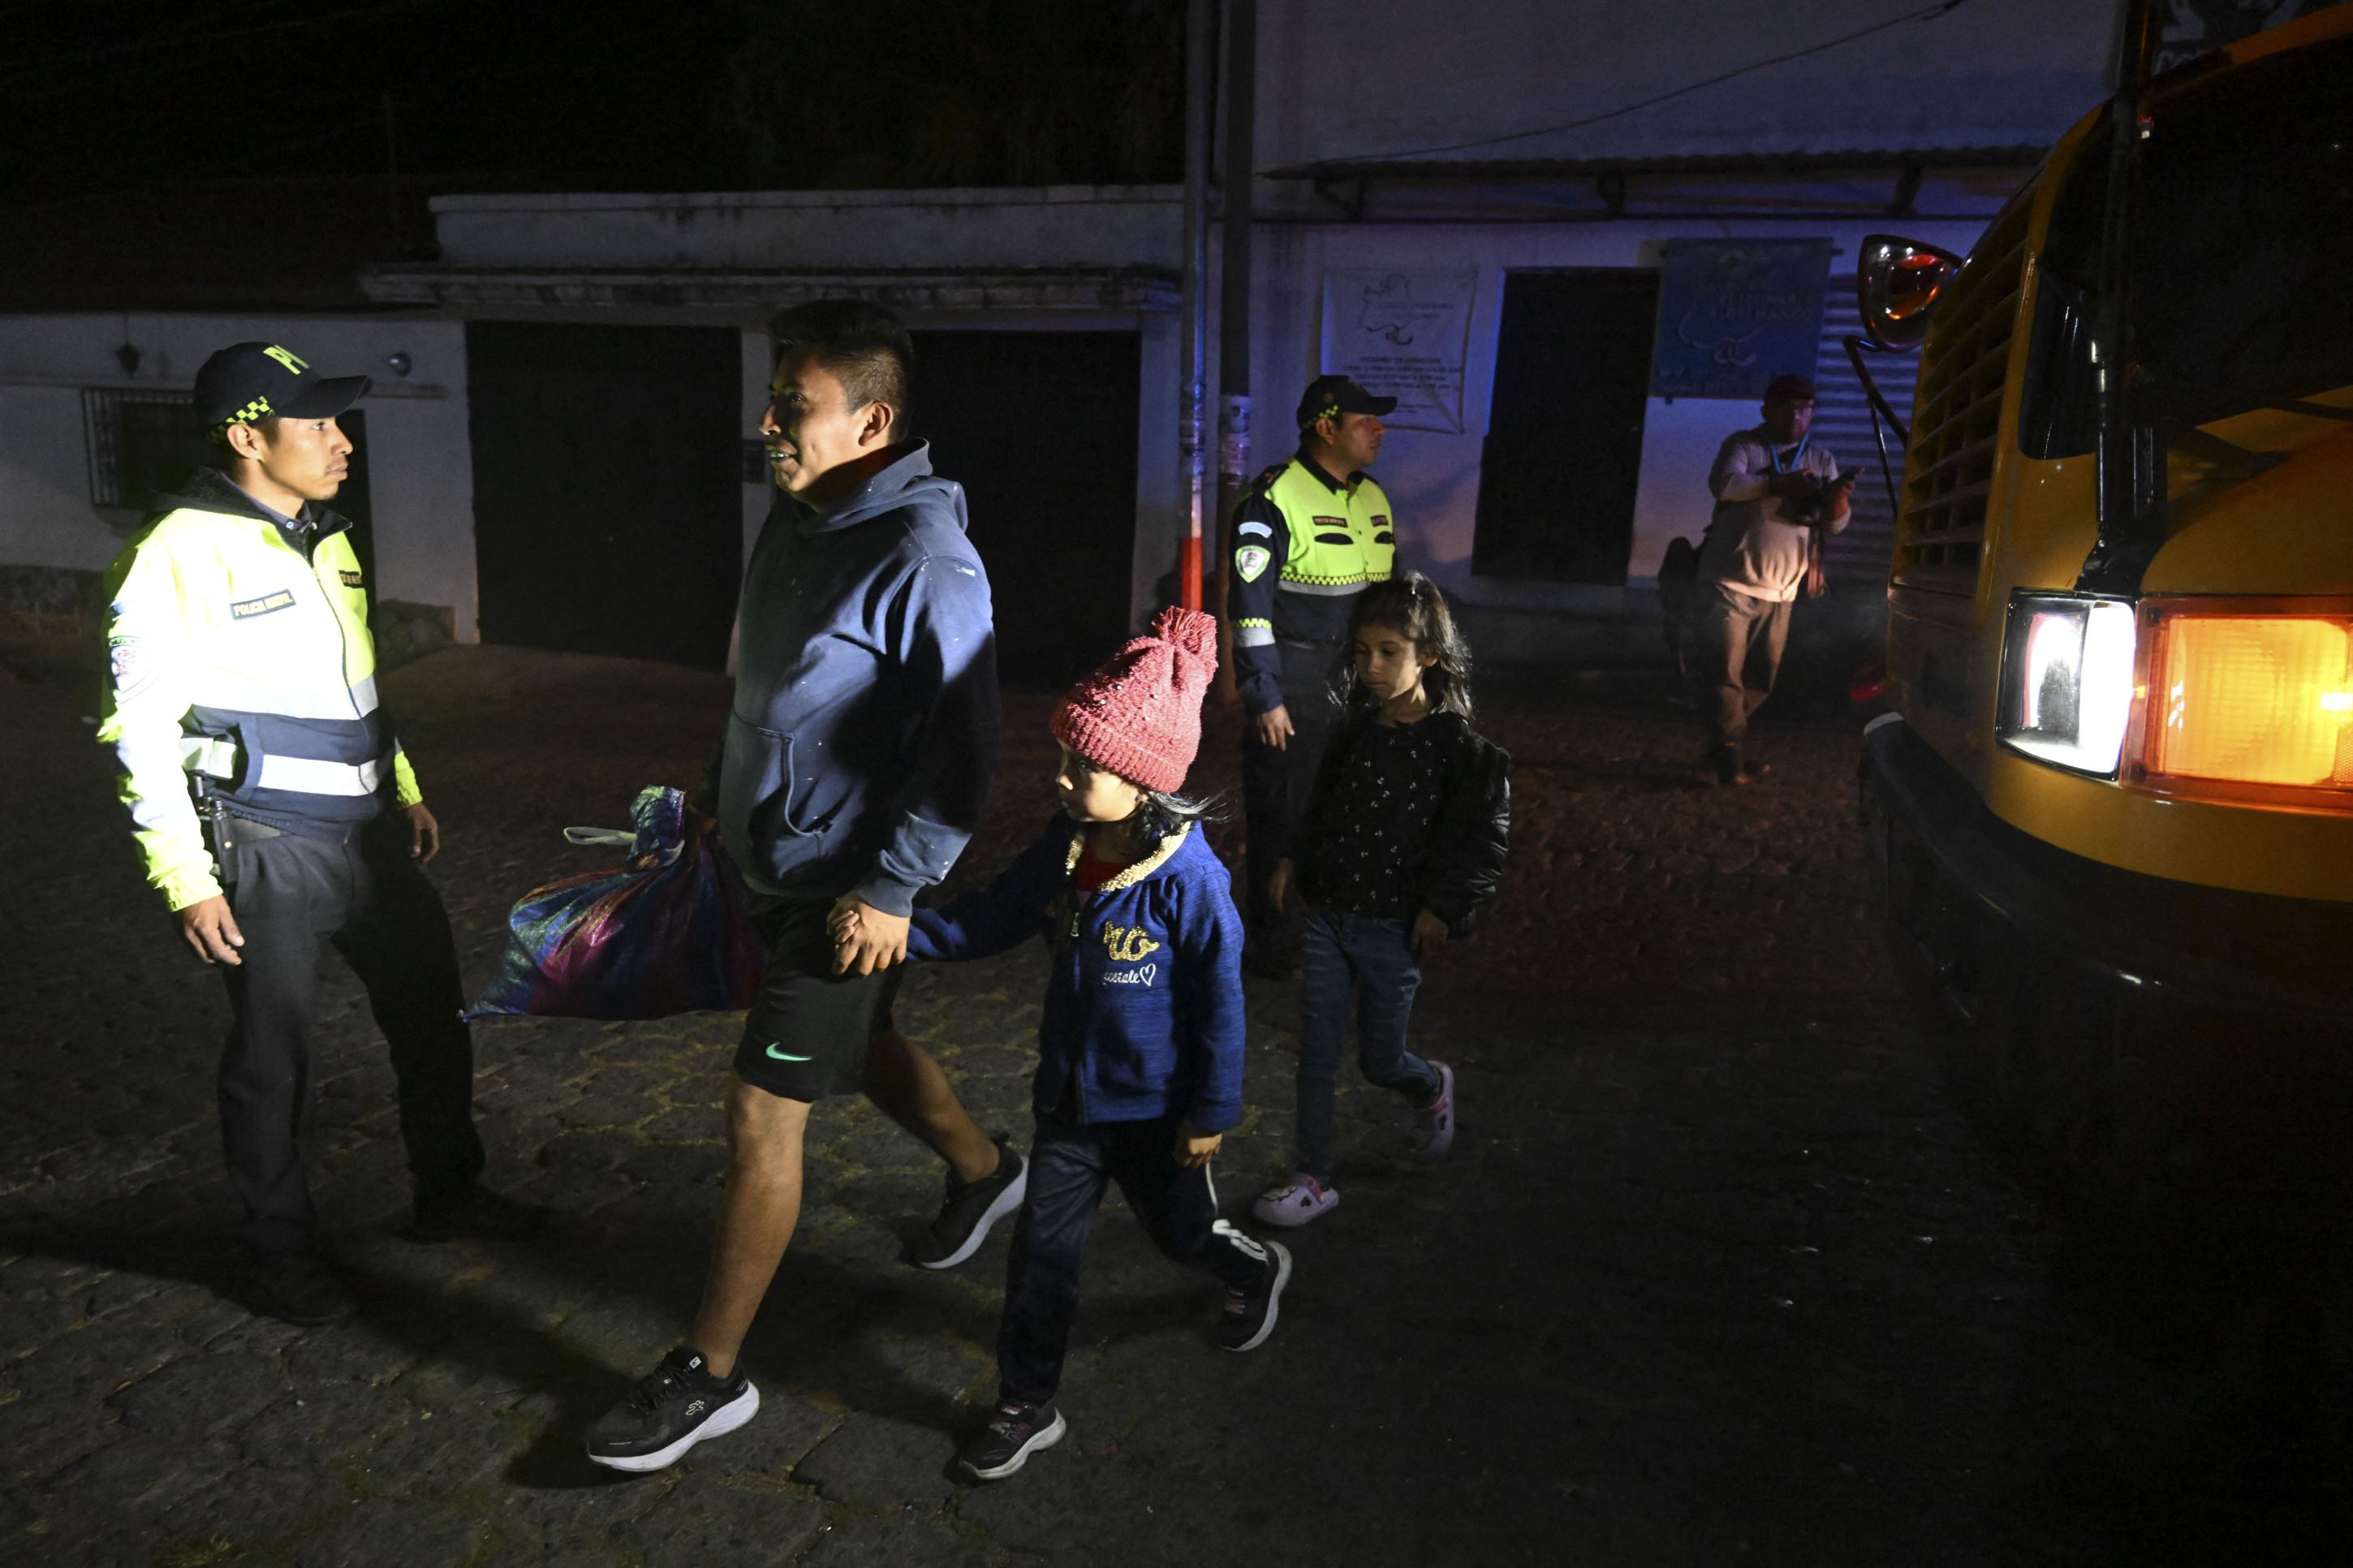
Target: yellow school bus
[2111, 815]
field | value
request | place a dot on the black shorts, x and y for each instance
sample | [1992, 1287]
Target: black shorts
[806, 1036]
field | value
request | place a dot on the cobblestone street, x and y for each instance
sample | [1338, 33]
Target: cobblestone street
[1715, 1274]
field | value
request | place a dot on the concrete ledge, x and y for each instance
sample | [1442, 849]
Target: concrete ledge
[406, 631]
[1118, 290]
[54, 613]
[723, 201]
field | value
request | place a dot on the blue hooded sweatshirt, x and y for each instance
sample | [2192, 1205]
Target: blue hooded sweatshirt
[1144, 1002]
[864, 731]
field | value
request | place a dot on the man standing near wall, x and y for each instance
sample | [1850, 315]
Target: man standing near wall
[856, 761]
[275, 811]
[1777, 493]
[1307, 540]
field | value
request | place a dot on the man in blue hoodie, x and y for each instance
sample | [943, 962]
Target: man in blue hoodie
[857, 758]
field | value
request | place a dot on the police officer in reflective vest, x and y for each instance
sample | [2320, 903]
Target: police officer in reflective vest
[1307, 540]
[275, 811]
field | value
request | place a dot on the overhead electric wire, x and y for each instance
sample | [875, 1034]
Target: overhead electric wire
[1922, 14]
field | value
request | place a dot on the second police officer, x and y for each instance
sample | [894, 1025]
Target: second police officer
[1309, 538]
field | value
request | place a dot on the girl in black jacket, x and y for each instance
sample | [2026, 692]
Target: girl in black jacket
[1402, 846]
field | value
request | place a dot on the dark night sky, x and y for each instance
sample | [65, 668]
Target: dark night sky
[106, 94]
[109, 95]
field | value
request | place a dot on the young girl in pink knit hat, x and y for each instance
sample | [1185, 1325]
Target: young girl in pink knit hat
[1140, 1049]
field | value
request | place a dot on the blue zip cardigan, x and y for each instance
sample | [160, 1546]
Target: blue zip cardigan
[1145, 996]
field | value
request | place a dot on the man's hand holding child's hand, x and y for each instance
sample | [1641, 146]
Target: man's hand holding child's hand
[1194, 1147]
[1429, 935]
[865, 940]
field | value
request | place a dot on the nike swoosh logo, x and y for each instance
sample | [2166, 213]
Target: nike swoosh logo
[785, 1056]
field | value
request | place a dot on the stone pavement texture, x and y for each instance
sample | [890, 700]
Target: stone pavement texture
[1715, 1274]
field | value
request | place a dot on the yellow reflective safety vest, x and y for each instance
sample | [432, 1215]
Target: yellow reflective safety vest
[1341, 540]
[1303, 547]
[238, 667]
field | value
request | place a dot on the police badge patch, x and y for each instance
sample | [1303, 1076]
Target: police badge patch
[1251, 560]
[132, 663]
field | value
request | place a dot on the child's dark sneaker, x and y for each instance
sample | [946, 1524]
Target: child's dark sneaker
[1292, 1203]
[1014, 1432]
[1250, 1314]
[968, 1211]
[679, 1404]
[1434, 1124]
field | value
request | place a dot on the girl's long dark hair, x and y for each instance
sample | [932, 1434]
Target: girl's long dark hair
[1163, 812]
[1410, 603]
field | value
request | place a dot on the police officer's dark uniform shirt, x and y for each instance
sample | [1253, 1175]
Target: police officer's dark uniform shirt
[1376, 822]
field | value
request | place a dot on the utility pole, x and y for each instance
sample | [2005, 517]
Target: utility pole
[1238, 84]
[1193, 395]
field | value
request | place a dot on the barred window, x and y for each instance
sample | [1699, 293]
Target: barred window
[141, 444]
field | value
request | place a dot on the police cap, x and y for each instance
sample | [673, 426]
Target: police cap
[257, 381]
[1329, 396]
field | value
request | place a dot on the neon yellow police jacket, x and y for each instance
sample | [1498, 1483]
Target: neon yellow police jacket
[1304, 546]
[236, 663]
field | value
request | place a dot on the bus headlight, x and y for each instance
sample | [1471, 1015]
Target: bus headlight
[2067, 680]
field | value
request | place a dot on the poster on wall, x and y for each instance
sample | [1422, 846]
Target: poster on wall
[1735, 313]
[1404, 335]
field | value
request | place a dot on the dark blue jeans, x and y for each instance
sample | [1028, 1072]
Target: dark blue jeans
[1071, 1165]
[1363, 960]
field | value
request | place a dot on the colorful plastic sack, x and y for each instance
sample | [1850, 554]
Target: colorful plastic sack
[665, 933]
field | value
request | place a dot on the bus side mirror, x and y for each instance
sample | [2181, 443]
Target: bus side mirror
[1897, 282]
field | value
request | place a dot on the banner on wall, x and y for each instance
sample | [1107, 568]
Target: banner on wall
[1735, 313]
[1405, 335]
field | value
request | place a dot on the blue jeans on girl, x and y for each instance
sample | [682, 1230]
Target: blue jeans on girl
[1363, 959]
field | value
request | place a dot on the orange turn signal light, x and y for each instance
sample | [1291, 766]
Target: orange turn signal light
[2241, 703]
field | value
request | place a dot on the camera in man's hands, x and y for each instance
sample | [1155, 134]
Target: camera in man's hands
[1815, 509]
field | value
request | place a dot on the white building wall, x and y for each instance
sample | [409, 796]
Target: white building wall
[1434, 477]
[757, 498]
[421, 477]
[1390, 78]
[420, 483]
[1054, 225]
[1160, 520]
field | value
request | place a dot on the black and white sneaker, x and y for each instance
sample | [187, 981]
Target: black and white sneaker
[968, 1211]
[1014, 1432]
[1251, 1314]
[676, 1405]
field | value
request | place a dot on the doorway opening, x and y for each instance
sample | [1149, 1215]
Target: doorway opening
[607, 490]
[1564, 451]
[1039, 428]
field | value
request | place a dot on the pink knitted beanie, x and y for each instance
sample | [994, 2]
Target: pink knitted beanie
[1140, 714]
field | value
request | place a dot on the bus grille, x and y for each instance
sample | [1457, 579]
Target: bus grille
[1956, 418]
